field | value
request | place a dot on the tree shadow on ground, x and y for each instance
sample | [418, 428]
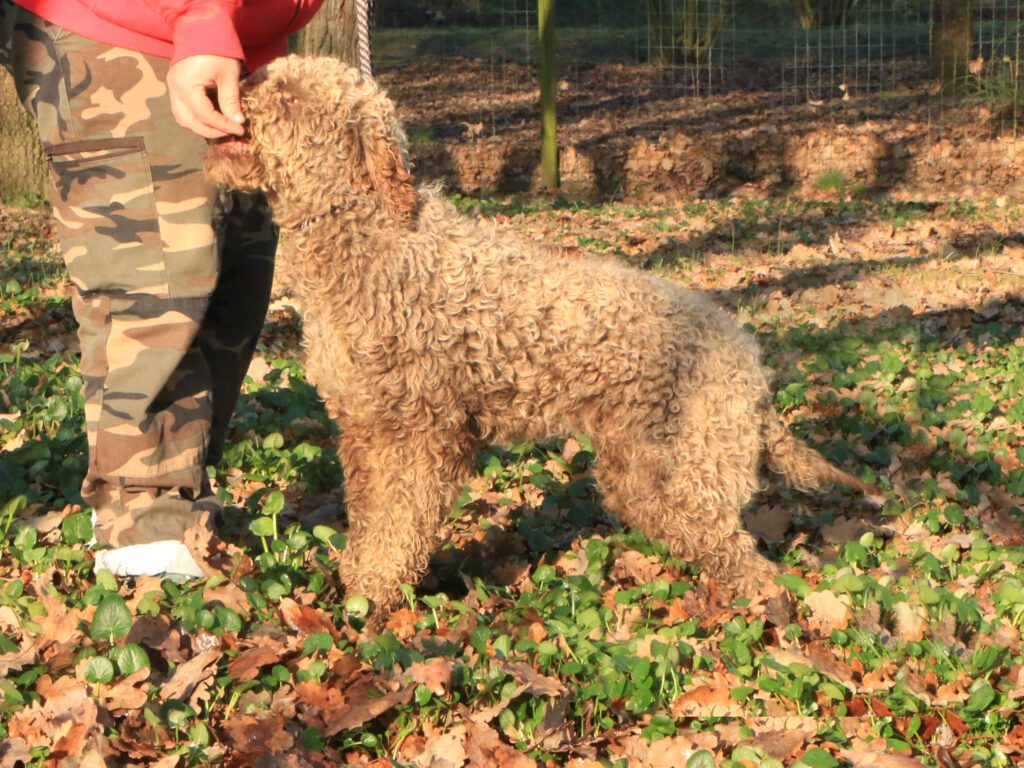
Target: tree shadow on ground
[813, 230]
[746, 136]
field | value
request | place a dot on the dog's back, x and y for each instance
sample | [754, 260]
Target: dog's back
[534, 334]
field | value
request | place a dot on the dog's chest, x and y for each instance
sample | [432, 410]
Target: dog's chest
[329, 361]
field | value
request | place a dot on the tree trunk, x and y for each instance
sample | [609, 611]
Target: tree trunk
[806, 12]
[951, 42]
[548, 86]
[22, 169]
[332, 32]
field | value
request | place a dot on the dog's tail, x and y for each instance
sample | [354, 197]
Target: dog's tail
[802, 466]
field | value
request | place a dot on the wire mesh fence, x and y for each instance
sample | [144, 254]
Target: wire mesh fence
[994, 75]
[642, 66]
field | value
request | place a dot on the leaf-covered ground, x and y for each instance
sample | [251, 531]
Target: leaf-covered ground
[544, 633]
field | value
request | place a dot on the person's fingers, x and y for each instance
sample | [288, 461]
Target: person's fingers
[230, 102]
[191, 82]
[208, 116]
[187, 109]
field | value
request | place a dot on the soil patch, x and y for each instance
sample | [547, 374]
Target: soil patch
[627, 135]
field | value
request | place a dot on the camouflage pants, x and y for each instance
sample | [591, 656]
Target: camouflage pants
[171, 283]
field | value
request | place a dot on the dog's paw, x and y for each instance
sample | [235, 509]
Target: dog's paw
[756, 579]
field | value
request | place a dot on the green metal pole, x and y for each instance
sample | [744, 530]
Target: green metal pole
[548, 84]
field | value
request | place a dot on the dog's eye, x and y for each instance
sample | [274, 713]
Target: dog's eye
[294, 100]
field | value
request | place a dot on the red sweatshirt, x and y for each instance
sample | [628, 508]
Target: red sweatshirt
[254, 31]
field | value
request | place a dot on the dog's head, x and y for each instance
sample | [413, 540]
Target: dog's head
[319, 136]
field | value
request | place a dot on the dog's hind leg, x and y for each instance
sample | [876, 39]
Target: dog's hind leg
[691, 503]
[398, 489]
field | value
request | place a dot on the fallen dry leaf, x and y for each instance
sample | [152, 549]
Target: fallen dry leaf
[870, 759]
[306, 620]
[65, 719]
[435, 673]
[707, 699]
[643, 645]
[127, 694]
[819, 658]
[214, 555]
[61, 626]
[403, 623]
[191, 679]
[536, 683]
[910, 623]
[445, 751]
[828, 611]
[771, 523]
[641, 568]
[338, 710]
[230, 595]
[257, 736]
[246, 666]
[14, 661]
[844, 529]
[781, 744]
[485, 749]
[157, 633]
[675, 751]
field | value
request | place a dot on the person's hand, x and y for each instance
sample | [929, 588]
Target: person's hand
[190, 82]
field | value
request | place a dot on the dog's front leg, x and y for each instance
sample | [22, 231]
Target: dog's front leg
[398, 490]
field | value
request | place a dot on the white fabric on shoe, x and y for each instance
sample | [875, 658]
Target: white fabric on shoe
[157, 558]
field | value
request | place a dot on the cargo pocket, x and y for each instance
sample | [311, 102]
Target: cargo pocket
[103, 201]
[148, 405]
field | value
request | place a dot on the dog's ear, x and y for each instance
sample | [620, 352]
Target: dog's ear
[386, 167]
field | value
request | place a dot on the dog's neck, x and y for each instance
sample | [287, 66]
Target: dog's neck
[289, 219]
[306, 223]
[331, 252]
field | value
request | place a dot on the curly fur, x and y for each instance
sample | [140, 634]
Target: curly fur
[427, 330]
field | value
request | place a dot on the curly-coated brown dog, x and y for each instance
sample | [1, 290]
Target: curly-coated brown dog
[427, 330]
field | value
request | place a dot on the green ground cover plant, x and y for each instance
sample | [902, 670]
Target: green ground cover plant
[545, 634]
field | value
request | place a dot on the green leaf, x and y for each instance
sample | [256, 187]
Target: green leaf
[794, 584]
[274, 441]
[312, 738]
[318, 642]
[357, 605]
[1010, 594]
[816, 757]
[324, 533]
[199, 734]
[228, 620]
[99, 670]
[14, 588]
[106, 581]
[981, 698]
[701, 759]
[262, 526]
[26, 537]
[77, 528]
[274, 503]
[13, 507]
[276, 590]
[129, 658]
[177, 713]
[422, 695]
[149, 605]
[112, 620]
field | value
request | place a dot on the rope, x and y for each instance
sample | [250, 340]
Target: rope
[363, 50]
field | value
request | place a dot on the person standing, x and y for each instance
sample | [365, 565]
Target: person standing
[171, 278]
